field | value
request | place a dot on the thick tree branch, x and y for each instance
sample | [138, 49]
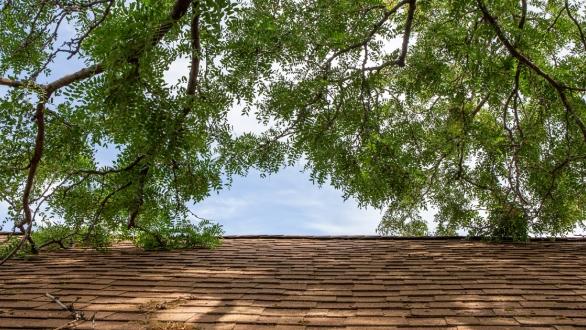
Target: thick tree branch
[407, 34]
[34, 164]
[523, 14]
[76, 76]
[192, 82]
[195, 51]
[11, 83]
[32, 171]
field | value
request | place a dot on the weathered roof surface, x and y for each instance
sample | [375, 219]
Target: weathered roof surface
[302, 283]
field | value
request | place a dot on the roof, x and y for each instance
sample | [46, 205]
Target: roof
[302, 283]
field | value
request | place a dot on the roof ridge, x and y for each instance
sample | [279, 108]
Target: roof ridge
[398, 238]
[379, 237]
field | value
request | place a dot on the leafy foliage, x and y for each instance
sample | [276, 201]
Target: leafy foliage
[11, 244]
[474, 108]
[203, 235]
[58, 236]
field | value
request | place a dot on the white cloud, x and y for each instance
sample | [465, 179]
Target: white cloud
[3, 215]
[178, 68]
[286, 203]
[345, 219]
[244, 123]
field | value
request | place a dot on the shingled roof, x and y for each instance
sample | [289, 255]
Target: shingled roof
[303, 283]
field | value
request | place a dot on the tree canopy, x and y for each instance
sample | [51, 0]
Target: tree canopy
[475, 108]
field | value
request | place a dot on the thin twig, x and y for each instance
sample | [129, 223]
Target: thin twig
[76, 314]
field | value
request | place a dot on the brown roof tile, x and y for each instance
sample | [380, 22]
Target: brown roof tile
[305, 283]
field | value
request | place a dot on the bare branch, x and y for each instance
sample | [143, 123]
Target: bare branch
[77, 315]
[11, 83]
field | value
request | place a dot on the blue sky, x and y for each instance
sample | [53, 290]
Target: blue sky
[286, 203]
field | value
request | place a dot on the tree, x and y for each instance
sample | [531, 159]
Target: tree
[475, 108]
[167, 134]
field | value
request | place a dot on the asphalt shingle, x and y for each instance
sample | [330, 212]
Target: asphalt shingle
[304, 283]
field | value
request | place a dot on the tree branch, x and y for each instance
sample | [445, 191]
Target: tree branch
[559, 87]
[135, 209]
[112, 170]
[179, 9]
[79, 40]
[11, 83]
[516, 53]
[102, 206]
[76, 76]
[32, 170]
[407, 34]
[582, 37]
[523, 14]
[192, 83]
[372, 32]
[195, 51]
[34, 164]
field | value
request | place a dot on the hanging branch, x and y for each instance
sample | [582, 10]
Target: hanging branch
[32, 171]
